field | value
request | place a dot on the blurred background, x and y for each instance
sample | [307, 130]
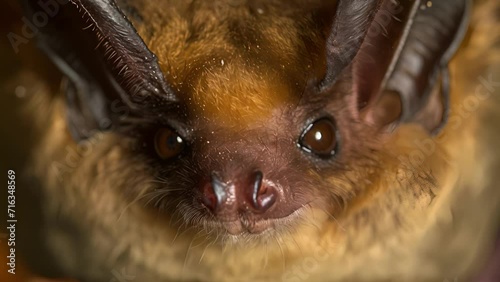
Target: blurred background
[16, 138]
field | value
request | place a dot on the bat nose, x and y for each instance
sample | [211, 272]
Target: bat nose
[252, 194]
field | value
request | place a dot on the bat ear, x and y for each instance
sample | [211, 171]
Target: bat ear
[104, 60]
[398, 59]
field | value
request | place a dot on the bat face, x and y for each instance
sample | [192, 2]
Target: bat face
[234, 153]
[251, 137]
[256, 139]
[189, 123]
[261, 133]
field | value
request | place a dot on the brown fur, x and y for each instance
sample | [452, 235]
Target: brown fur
[202, 46]
[406, 213]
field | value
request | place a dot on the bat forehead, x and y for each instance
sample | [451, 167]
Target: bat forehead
[236, 97]
[232, 64]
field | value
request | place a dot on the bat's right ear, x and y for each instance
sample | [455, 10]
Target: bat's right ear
[104, 60]
[397, 54]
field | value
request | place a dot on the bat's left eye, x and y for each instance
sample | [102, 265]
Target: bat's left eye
[168, 143]
[320, 138]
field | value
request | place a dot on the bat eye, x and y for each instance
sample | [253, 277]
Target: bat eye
[168, 143]
[320, 138]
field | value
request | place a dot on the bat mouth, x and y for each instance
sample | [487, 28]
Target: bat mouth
[247, 225]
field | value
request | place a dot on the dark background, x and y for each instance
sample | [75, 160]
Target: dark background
[17, 136]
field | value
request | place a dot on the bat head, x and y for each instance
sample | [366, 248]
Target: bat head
[250, 114]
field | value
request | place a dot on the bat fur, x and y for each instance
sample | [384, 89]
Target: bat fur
[408, 207]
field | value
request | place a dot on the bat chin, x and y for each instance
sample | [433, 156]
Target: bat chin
[250, 226]
[241, 227]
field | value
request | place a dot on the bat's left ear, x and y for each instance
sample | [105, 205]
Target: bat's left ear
[110, 72]
[400, 72]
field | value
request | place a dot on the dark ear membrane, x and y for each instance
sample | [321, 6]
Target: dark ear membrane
[352, 20]
[399, 70]
[104, 60]
[420, 74]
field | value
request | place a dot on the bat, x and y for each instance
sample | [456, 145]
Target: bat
[267, 140]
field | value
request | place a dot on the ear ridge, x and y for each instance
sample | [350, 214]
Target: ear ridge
[381, 49]
[343, 42]
[119, 42]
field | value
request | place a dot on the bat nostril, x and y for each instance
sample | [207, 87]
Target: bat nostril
[213, 193]
[265, 198]
[263, 195]
[209, 199]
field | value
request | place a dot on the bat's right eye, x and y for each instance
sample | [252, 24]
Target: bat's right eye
[168, 144]
[320, 138]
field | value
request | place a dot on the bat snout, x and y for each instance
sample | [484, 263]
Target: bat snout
[243, 203]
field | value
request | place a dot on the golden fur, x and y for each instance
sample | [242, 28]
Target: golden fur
[430, 214]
